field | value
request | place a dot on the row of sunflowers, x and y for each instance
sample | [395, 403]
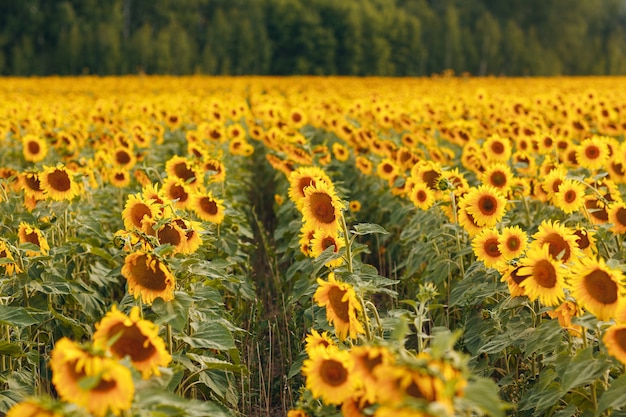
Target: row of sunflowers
[312, 247]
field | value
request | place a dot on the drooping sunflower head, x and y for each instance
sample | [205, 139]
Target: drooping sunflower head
[129, 335]
[31, 184]
[564, 313]
[28, 233]
[148, 277]
[341, 305]
[513, 279]
[366, 360]
[617, 217]
[98, 384]
[614, 339]
[137, 211]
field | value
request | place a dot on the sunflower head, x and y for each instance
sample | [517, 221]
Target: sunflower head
[329, 374]
[342, 306]
[148, 277]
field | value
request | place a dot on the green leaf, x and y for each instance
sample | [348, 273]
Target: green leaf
[10, 349]
[368, 229]
[209, 362]
[16, 316]
[175, 312]
[212, 335]
[614, 396]
[580, 370]
[482, 393]
[163, 403]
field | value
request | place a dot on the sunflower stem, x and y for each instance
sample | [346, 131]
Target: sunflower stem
[170, 341]
[346, 237]
[368, 332]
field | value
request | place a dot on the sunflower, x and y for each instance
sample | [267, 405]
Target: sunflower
[397, 384]
[306, 236]
[297, 412]
[178, 192]
[182, 168]
[240, 147]
[193, 235]
[316, 339]
[465, 219]
[342, 306]
[31, 184]
[497, 148]
[148, 277]
[570, 196]
[428, 172]
[58, 183]
[617, 217]
[485, 245]
[208, 207]
[354, 206]
[30, 234]
[597, 209]
[499, 176]
[614, 339]
[329, 374]
[585, 240]
[387, 169]
[524, 163]
[119, 177]
[96, 383]
[321, 208]
[341, 152]
[553, 180]
[323, 240]
[137, 211]
[592, 153]
[564, 313]
[560, 240]
[34, 148]
[124, 157]
[364, 165]
[366, 360]
[544, 276]
[171, 233]
[215, 169]
[9, 266]
[513, 242]
[513, 279]
[421, 195]
[596, 287]
[302, 178]
[486, 204]
[132, 336]
[33, 408]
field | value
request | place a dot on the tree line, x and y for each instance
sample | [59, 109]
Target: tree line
[320, 37]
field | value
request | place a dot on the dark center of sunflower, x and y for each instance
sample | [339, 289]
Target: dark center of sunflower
[430, 178]
[387, 168]
[570, 196]
[333, 372]
[182, 171]
[32, 181]
[547, 142]
[487, 205]
[498, 179]
[208, 205]
[596, 211]
[415, 391]
[371, 363]
[169, 234]
[214, 134]
[130, 342]
[592, 152]
[33, 238]
[173, 119]
[491, 248]
[103, 385]
[601, 287]
[340, 307]
[177, 192]
[556, 185]
[327, 242]
[59, 180]
[120, 176]
[545, 274]
[557, 246]
[620, 216]
[620, 338]
[122, 157]
[304, 182]
[137, 213]
[33, 147]
[322, 205]
[513, 243]
[497, 148]
[296, 117]
[421, 196]
[516, 277]
[582, 240]
[148, 276]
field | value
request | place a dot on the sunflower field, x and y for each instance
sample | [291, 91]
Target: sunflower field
[305, 246]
